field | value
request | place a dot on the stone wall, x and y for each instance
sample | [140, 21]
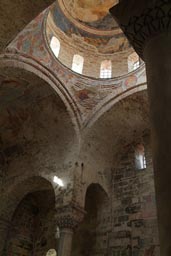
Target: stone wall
[127, 226]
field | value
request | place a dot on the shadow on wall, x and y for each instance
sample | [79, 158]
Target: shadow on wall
[84, 239]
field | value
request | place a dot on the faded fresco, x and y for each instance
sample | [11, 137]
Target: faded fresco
[88, 94]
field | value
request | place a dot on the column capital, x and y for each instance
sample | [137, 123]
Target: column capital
[69, 216]
[142, 20]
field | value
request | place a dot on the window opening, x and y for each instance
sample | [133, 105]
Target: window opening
[140, 160]
[77, 64]
[106, 69]
[55, 46]
[133, 62]
[136, 65]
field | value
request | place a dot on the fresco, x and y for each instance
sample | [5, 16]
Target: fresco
[90, 12]
[87, 94]
[87, 10]
[30, 41]
[97, 40]
[107, 22]
[69, 28]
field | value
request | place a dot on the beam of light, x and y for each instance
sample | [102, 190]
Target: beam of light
[58, 181]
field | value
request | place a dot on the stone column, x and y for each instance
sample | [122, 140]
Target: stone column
[68, 218]
[147, 25]
[65, 242]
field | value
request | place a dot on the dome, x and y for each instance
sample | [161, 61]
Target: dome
[85, 30]
[89, 11]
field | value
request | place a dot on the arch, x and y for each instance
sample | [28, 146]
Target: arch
[102, 142]
[15, 196]
[20, 189]
[96, 201]
[114, 99]
[55, 46]
[96, 189]
[120, 92]
[28, 214]
[106, 69]
[77, 63]
[30, 65]
[22, 93]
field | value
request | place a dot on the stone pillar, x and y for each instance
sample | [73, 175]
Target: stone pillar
[68, 218]
[147, 25]
[65, 242]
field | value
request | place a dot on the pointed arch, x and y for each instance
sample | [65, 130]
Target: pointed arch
[30, 65]
[19, 190]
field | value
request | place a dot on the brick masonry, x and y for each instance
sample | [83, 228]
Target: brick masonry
[126, 221]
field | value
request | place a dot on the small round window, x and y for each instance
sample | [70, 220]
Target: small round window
[51, 252]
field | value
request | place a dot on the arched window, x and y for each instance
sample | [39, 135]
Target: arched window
[106, 69]
[140, 160]
[77, 64]
[133, 62]
[55, 46]
[51, 252]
